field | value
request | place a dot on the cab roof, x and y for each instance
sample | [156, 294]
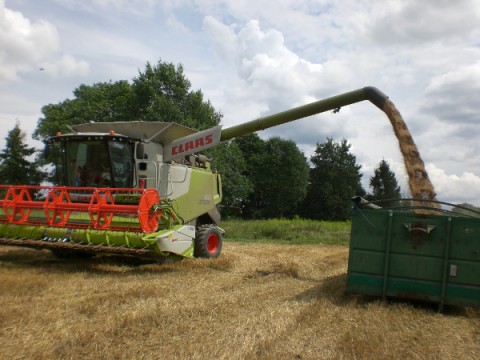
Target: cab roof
[155, 131]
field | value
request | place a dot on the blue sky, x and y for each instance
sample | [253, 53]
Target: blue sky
[253, 58]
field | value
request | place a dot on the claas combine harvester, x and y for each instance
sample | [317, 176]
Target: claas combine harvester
[135, 188]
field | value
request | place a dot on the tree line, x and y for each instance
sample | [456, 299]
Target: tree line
[261, 178]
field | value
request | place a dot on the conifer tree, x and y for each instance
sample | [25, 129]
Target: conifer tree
[15, 167]
[384, 184]
[334, 179]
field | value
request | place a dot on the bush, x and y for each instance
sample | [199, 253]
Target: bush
[297, 231]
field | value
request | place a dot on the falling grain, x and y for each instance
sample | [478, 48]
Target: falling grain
[418, 180]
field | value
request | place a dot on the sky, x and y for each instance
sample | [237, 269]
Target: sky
[255, 58]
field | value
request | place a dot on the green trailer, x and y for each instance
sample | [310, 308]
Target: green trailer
[428, 254]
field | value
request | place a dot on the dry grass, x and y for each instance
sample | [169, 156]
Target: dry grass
[254, 302]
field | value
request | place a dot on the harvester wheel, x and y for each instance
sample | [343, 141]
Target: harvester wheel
[208, 242]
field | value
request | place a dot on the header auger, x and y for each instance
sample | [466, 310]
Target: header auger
[136, 188]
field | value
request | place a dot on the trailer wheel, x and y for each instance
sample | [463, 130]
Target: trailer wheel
[208, 242]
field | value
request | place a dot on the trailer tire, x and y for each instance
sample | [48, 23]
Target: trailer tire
[208, 242]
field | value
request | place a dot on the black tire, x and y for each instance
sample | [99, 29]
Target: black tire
[208, 242]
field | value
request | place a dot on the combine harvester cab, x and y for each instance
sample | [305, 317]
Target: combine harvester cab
[120, 194]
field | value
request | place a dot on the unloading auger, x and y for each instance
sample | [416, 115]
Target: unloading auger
[136, 188]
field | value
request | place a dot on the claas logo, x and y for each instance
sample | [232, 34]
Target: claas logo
[192, 145]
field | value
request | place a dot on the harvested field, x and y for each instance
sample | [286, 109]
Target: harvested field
[257, 301]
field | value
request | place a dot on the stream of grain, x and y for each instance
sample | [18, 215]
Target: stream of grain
[419, 183]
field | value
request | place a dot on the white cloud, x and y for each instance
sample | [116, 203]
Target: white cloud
[464, 188]
[66, 65]
[223, 36]
[453, 96]
[267, 70]
[142, 8]
[24, 43]
[412, 22]
[175, 24]
[30, 46]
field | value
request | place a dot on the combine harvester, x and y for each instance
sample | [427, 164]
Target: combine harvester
[136, 188]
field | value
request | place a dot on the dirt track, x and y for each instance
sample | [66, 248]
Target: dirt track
[254, 302]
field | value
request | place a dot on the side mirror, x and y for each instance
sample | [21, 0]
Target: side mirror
[140, 151]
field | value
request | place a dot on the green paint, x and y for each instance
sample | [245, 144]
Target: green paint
[415, 256]
[202, 196]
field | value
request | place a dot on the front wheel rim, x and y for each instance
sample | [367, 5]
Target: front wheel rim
[212, 243]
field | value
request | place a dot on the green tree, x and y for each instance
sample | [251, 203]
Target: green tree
[229, 162]
[279, 173]
[162, 92]
[384, 184]
[334, 179]
[15, 168]
[159, 93]
[252, 147]
[101, 102]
